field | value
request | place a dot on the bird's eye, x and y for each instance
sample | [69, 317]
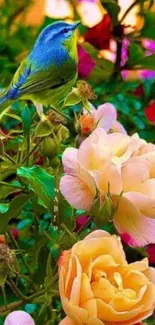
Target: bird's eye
[65, 30]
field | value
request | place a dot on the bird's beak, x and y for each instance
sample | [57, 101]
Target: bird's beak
[74, 26]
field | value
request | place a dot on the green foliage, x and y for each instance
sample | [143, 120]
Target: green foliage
[41, 183]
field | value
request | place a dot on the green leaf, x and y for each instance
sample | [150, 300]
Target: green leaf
[35, 250]
[73, 98]
[113, 9]
[136, 54]
[4, 207]
[65, 212]
[14, 116]
[40, 273]
[44, 128]
[147, 63]
[41, 183]
[148, 30]
[26, 119]
[14, 211]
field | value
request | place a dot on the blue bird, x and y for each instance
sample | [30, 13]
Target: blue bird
[48, 73]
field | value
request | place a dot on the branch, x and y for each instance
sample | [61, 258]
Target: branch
[15, 305]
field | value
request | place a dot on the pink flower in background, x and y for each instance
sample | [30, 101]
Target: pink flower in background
[81, 221]
[149, 45]
[105, 116]
[85, 64]
[19, 318]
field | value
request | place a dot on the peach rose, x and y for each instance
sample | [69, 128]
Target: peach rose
[135, 215]
[98, 287]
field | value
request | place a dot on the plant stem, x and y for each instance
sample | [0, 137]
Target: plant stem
[32, 151]
[128, 10]
[19, 303]
[21, 255]
[16, 290]
[9, 158]
[28, 149]
[11, 185]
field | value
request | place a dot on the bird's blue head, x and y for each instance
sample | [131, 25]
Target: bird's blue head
[57, 33]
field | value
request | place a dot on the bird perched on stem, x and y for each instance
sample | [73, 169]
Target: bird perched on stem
[48, 73]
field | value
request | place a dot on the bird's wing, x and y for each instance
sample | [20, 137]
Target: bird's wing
[27, 81]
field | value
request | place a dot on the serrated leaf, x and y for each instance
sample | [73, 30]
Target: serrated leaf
[41, 183]
[14, 210]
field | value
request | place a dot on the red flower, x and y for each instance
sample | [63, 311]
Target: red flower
[151, 253]
[150, 112]
[85, 64]
[139, 91]
[100, 35]
[15, 233]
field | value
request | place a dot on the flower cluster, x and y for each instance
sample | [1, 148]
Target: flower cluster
[121, 165]
[97, 285]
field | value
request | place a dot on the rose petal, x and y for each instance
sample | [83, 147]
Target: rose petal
[128, 219]
[118, 127]
[78, 190]
[105, 116]
[69, 160]
[68, 321]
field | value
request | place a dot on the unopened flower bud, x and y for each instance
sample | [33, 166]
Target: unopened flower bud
[2, 239]
[87, 124]
[48, 147]
[54, 162]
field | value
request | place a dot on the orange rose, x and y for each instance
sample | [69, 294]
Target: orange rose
[98, 286]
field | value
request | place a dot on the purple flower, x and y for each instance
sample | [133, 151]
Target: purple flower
[149, 45]
[19, 318]
[147, 74]
[125, 55]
